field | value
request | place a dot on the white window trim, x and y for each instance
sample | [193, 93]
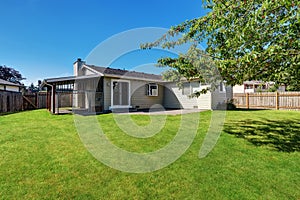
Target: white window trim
[112, 94]
[148, 89]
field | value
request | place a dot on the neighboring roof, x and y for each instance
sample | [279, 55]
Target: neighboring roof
[119, 73]
[4, 82]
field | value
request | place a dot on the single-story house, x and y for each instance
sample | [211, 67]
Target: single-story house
[101, 89]
[9, 86]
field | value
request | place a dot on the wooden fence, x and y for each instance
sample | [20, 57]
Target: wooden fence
[34, 100]
[268, 100]
[10, 101]
[16, 101]
[39, 100]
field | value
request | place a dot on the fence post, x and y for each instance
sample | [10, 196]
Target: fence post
[277, 101]
[247, 100]
[37, 100]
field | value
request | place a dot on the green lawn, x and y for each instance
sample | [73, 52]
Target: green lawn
[256, 157]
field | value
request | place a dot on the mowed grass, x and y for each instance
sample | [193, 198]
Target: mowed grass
[256, 157]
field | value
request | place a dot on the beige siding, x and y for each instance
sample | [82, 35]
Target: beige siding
[183, 100]
[175, 99]
[218, 98]
[139, 97]
[170, 99]
[229, 92]
[87, 72]
[1, 87]
[221, 97]
[204, 100]
[107, 92]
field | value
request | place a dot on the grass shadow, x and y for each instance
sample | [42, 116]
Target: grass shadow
[282, 135]
[250, 109]
[16, 112]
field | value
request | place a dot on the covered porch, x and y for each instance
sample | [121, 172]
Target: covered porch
[74, 94]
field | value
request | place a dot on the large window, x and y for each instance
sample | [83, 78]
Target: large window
[189, 88]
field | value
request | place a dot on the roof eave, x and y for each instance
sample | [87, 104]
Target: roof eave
[133, 78]
[68, 78]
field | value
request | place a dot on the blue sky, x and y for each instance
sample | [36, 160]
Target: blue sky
[42, 38]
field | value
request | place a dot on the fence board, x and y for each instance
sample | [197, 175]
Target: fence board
[268, 100]
[34, 100]
[16, 101]
[10, 101]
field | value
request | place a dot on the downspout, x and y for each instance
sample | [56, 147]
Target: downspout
[52, 99]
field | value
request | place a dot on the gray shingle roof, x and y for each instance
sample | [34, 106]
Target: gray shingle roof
[106, 71]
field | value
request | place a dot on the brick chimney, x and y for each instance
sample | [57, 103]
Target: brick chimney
[77, 67]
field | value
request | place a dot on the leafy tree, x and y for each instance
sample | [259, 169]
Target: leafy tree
[10, 74]
[32, 88]
[246, 40]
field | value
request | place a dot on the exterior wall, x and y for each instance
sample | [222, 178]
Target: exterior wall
[219, 97]
[175, 99]
[204, 100]
[169, 96]
[229, 92]
[170, 99]
[139, 98]
[1, 87]
[86, 71]
[184, 101]
[106, 93]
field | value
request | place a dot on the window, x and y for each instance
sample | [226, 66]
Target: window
[189, 88]
[222, 87]
[186, 88]
[195, 86]
[152, 89]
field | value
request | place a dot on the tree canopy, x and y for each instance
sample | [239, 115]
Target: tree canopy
[10, 74]
[246, 40]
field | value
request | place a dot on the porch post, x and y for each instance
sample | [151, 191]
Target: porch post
[53, 98]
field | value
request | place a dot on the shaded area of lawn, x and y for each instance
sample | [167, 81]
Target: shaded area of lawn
[282, 134]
